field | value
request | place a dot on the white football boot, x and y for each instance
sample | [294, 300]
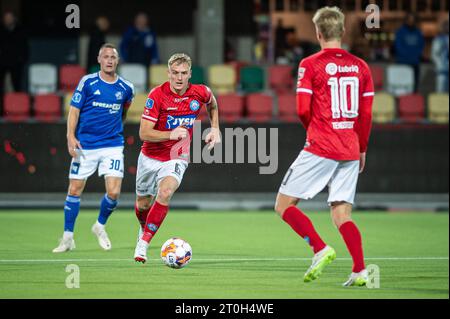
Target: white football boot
[66, 243]
[103, 240]
[319, 262]
[140, 253]
[357, 279]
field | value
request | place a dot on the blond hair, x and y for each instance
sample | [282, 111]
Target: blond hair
[108, 46]
[329, 22]
[180, 58]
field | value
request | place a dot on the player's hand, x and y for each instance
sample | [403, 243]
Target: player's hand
[213, 138]
[179, 133]
[362, 162]
[72, 145]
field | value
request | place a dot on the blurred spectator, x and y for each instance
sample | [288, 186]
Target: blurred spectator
[281, 42]
[439, 55]
[408, 46]
[139, 43]
[13, 53]
[96, 40]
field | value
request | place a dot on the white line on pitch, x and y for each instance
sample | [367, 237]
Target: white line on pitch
[211, 259]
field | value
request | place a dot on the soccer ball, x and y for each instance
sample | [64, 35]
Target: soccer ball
[176, 253]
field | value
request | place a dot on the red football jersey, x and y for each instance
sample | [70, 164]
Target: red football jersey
[340, 86]
[169, 110]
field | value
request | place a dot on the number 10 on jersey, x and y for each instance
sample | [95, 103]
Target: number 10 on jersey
[340, 106]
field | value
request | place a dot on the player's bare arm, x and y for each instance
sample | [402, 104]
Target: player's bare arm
[149, 134]
[72, 122]
[213, 137]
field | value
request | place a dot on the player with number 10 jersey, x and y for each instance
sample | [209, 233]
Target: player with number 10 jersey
[334, 103]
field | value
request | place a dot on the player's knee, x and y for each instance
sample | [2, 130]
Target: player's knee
[165, 194]
[143, 204]
[114, 194]
[75, 190]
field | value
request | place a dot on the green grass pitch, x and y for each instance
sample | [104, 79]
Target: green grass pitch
[235, 255]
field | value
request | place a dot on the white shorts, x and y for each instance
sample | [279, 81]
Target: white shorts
[151, 171]
[109, 162]
[309, 174]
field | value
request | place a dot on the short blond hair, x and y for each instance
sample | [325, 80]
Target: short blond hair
[180, 58]
[329, 22]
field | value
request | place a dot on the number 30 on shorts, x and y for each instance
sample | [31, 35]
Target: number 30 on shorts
[114, 164]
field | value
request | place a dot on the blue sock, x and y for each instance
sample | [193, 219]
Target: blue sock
[107, 206]
[71, 210]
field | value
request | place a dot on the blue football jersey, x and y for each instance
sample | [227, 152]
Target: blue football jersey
[101, 107]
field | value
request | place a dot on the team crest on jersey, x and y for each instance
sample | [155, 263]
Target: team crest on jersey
[331, 68]
[119, 95]
[301, 73]
[194, 105]
[76, 97]
[149, 103]
[184, 120]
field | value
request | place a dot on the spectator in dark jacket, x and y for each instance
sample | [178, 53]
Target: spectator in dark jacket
[13, 53]
[96, 40]
[408, 46]
[139, 43]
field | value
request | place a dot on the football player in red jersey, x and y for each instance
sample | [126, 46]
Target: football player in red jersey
[166, 129]
[334, 102]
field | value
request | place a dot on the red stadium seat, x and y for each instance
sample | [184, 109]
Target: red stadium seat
[411, 108]
[47, 108]
[231, 107]
[287, 110]
[16, 107]
[259, 107]
[69, 76]
[378, 77]
[280, 78]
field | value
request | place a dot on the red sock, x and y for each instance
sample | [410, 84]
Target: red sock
[303, 226]
[352, 238]
[141, 216]
[154, 219]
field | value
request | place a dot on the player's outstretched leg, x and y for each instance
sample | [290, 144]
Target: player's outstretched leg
[341, 215]
[107, 206]
[156, 216]
[302, 225]
[71, 210]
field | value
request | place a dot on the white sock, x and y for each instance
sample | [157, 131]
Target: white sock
[68, 235]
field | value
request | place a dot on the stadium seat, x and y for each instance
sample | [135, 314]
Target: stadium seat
[383, 108]
[438, 108]
[400, 80]
[222, 78]
[42, 78]
[377, 76]
[47, 108]
[137, 107]
[237, 66]
[252, 79]
[411, 108]
[287, 109]
[136, 74]
[280, 79]
[231, 107]
[259, 107]
[16, 107]
[69, 76]
[198, 75]
[157, 75]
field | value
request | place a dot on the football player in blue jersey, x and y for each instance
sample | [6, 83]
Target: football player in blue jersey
[95, 141]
